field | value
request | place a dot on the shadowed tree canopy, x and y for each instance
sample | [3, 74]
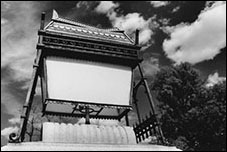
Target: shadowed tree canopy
[193, 115]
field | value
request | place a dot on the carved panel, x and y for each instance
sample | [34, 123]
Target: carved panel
[47, 40]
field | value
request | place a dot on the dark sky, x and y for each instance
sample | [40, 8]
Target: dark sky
[170, 33]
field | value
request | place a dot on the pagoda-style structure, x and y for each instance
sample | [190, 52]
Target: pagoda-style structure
[87, 72]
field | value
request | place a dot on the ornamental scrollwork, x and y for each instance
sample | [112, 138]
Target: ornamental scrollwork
[14, 138]
[76, 44]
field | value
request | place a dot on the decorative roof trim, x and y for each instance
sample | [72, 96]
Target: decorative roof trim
[51, 22]
[63, 20]
[54, 15]
[121, 36]
[128, 37]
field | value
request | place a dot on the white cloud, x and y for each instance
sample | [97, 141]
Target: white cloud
[18, 47]
[106, 6]
[129, 22]
[201, 40]
[214, 3]
[159, 3]
[6, 131]
[214, 79]
[164, 21]
[4, 6]
[85, 4]
[150, 66]
[9, 100]
[15, 120]
[175, 9]
[3, 21]
[11, 106]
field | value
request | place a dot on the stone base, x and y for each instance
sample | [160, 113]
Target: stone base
[87, 134]
[41, 146]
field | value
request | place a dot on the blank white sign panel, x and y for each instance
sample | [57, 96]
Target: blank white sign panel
[84, 81]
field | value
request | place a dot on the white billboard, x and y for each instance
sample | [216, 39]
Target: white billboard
[85, 81]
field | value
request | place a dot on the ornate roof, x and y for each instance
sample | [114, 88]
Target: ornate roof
[76, 29]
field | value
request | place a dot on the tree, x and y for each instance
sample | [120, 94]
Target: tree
[191, 113]
[211, 131]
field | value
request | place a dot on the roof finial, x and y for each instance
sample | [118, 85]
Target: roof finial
[55, 14]
[42, 21]
[137, 37]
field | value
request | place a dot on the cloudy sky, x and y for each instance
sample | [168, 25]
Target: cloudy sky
[170, 33]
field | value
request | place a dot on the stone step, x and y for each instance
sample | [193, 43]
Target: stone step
[41, 146]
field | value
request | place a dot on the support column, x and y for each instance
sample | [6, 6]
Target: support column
[126, 120]
[87, 119]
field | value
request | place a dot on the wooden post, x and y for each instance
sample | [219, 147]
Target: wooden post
[137, 37]
[87, 119]
[42, 21]
[126, 120]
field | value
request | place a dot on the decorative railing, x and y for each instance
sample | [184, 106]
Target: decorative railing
[148, 127]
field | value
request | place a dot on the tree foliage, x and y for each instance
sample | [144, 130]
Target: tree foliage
[193, 116]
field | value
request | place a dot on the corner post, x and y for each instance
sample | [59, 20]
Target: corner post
[19, 137]
[137, 37]
[126, 120]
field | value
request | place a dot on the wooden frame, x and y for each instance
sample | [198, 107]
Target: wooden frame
[97, 115]
[50, 43]
[46, 97]
[152, 122]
